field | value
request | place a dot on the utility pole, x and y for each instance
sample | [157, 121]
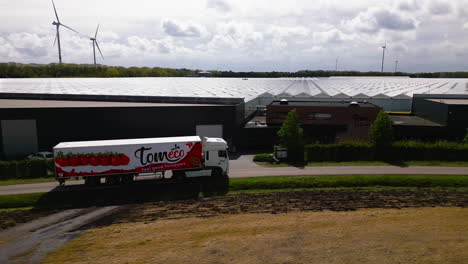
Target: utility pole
[383, 55]
[396, 65]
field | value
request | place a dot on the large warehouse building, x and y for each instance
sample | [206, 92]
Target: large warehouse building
[36, 114]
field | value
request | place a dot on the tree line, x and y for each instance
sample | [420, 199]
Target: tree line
[18, 70]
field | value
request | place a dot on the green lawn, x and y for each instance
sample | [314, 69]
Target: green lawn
[374, 163]
[25, 181]
[335, 181]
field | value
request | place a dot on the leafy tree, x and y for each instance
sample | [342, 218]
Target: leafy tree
[111, 72]
[465, 140]
[291, 136]
[381, 131]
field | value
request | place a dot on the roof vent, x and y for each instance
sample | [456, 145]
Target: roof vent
[283, 102]
[354, 103]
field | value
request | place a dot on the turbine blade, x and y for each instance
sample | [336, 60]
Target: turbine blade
[55, 40]
[55, 10]
[99, 49]
[95, 35]
[69, 28]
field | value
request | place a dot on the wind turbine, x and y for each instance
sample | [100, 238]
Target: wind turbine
[383, 54]
[57, 36]
[396, 65]
[95, 44]
[336, 64]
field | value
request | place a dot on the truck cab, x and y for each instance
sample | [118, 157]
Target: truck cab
[215, 154]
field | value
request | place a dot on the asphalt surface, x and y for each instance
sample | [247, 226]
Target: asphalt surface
[243, 167]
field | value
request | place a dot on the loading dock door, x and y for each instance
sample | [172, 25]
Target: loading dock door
[19, 138]
[210, 131]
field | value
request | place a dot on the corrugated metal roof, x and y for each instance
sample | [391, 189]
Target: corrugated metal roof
[12, 103]
[334, 87]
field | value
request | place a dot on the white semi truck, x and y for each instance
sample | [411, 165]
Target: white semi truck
[120, 161]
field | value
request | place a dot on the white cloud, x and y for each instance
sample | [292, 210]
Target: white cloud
[219, 5]
[374, 19]
[178, 29]
[440, 8]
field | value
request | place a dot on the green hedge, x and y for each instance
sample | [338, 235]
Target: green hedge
[24, 169]
[398, 151]
[264, 157]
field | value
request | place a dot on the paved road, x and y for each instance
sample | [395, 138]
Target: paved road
[258, 171]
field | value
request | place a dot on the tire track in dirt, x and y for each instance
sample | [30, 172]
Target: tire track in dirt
[30, 242]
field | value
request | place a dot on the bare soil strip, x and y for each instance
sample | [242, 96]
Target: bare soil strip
[283, 202]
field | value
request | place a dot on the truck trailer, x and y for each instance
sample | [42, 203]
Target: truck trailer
[120, 161]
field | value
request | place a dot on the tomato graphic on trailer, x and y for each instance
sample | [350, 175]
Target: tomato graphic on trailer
[127, 156]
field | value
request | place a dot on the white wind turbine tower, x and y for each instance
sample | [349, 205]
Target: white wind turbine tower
[57, 36]
[95, 44]
[383, 54]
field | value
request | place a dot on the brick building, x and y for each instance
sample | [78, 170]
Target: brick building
[326, 121]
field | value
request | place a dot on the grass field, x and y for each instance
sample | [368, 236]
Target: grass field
[411, 235]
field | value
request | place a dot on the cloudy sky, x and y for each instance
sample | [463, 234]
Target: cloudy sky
[243, 35]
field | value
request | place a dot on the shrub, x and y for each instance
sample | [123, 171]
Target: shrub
[381, 130]
[23, 169]
[264, 157]
[291, 137]
[465, 139]
[398, 151]
[342, 151]
[7, 170]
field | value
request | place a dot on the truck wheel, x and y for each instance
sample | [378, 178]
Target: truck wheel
[217, 184]
[222, 185]
[220, 181]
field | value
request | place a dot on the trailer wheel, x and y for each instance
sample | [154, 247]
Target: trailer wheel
[113, 180]
[92, 180]
[127, 179]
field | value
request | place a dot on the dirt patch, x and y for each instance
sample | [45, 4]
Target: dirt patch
[283, 202]
[409, 235]
[11, 218]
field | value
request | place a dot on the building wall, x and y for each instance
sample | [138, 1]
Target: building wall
[457, 121]
[434, 111]
[56, 125]
[352, 122]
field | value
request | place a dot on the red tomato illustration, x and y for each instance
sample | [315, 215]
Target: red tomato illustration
[74, 161]
[124, 160]
[94, 161]
[105, 160]
[63, 162]
[84, 160]
[115, 161]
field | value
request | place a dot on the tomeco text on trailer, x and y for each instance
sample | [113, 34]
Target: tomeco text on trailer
[119, 161]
